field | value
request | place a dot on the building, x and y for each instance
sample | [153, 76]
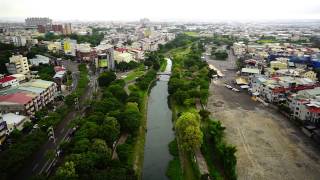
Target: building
[305, 105]
[3, 130]
[121, 55]
[85, 52]
[27, 98]
[67, 30]
[8, 81]
[18, 65]
[14, 121]
[20, 77]
[35, 21]
[18, 41]
[57, 28]
[39, 59]
[69, 46]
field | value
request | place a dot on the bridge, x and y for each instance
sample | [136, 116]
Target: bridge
[164, 73]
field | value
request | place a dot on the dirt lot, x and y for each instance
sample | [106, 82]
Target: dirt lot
[269, 146]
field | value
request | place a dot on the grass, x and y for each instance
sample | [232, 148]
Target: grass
[174, 171]
[192, 33]
[163, 65]
[138, 150]
[134, 74]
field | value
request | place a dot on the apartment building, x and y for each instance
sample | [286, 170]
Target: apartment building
[18, 41]
[27, 98]
[35, 21]
[18, 65]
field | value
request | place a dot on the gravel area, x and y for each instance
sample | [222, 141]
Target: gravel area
[268, 145]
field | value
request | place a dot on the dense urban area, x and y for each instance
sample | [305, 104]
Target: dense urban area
[159, 100]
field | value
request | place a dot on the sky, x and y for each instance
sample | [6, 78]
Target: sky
[161, 10]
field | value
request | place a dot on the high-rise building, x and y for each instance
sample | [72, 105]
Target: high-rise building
[18, 41]
[67, 29]
[18, 65]
[35, 21]
[57, 28]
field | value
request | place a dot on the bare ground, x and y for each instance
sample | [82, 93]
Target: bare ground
[268, 145]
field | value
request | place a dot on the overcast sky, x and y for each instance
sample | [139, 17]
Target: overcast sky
[157, 10]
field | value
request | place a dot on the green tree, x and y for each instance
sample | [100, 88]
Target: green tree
[106, 78]
[67, 171]
[109, 130]
[189, 132]
[130, 118]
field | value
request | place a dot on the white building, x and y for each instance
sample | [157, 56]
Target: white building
[39, 59]
[18, 41]
[14, 121]
[18, 65]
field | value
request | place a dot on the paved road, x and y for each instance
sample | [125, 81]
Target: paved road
[72, 66]
[38, 162]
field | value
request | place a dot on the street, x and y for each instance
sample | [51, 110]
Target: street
[40, 164]
[268, 145]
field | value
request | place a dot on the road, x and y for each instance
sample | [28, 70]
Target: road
[72, 66]
[39, 164]
[268, 145]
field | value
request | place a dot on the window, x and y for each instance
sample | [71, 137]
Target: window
[297, 108]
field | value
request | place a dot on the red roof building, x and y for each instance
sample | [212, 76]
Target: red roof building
[18, 98]
[7, 79]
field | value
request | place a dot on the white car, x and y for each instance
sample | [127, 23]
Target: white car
[236, 90]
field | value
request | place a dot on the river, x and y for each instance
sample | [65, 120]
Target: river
[159, 130]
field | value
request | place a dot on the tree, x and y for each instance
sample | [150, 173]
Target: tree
[109, 130]
[192, 138]
[106, 78]
[118, 92]
[130, 118]
[189, 132]
[67, 171]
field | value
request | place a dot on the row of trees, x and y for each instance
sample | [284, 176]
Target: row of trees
[225, 153]
[190, 78]
[88, 156]
[25, 144]
[124, 66]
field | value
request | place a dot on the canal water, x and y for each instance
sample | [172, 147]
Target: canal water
[159, 130]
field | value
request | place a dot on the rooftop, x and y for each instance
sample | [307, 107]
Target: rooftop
[7, 79]
[11, 118]
[17, 98]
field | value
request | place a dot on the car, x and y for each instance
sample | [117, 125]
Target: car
[236, 90]
[228, 86]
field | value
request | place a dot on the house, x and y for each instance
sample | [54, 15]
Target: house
[14, 121]
[39, 59]
[8, 81]
[249, 71]
[310, 74]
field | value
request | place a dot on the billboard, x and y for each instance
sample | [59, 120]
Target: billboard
[103, 63]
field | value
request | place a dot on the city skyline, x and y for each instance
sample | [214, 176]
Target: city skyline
[202, 10]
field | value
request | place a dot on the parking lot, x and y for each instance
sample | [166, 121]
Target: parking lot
[268, 145]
